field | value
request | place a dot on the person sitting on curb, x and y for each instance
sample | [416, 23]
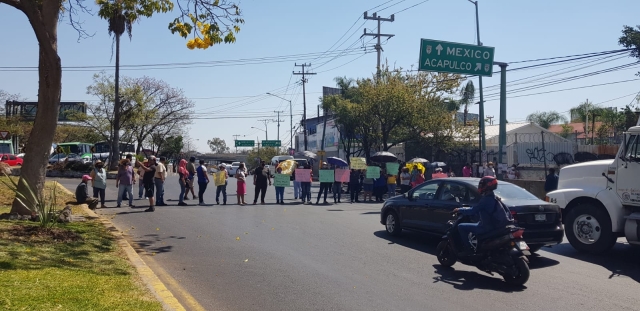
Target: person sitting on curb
[82, 193]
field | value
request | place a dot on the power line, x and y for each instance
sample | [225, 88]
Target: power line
[392, 5]
[413, 6]
[558, 57]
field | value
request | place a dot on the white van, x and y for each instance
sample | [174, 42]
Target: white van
[277, 159]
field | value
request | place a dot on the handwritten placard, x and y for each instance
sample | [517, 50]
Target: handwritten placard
[219, 178]
[282, 180]
[373, 172]
[342, 175]
[303, 175]
[358, 163]
[326, 176]
[392, 168]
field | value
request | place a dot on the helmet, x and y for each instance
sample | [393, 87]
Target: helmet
[487, 183]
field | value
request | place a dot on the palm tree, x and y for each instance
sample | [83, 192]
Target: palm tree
[545, 119]
[467, 94]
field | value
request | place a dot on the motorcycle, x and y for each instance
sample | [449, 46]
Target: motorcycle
[503, 252]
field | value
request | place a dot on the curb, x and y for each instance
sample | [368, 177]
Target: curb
[150, 279]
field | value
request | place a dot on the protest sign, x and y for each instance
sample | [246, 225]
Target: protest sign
[373, 172]
[358, 163]
[392, 168]
[282, 180]
[219, 178]
[326, 176]
[303, 175]
[342, 175]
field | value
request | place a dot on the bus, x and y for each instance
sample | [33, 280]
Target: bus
[80, 151]
[103, 148]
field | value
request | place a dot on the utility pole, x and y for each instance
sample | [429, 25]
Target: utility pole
[378, 35]
[290, 118]
[304, 100]
[483, 145]
[490, 120]
[235, 137]
[278, 121]
[266, 130]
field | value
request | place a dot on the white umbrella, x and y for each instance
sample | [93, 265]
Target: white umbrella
[306, 154]
[418, 160]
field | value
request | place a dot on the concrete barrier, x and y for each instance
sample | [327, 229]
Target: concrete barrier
[536, 187]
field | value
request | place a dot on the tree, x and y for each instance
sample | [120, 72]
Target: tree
[630, 118]
[467, 96]
[209, 21]
[630, 39]
[6, 96]
[171, 147]
[567, 130]
[264, 154]
[546, 118]
[218, 145]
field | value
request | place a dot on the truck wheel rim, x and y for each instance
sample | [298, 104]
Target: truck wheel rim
[391, 223]
[587, 229]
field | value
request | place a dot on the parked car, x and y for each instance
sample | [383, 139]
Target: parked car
[58, 157]
[11, 159]
[429, 206]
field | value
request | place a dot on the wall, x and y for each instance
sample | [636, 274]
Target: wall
[536, 187]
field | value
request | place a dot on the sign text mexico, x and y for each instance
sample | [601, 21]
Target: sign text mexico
[442, 56]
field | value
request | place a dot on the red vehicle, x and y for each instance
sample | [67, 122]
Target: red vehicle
[11, 159]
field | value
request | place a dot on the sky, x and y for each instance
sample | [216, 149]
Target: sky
[230, 99]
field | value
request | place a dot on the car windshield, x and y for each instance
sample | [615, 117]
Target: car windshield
[513, 192]
[58, 155]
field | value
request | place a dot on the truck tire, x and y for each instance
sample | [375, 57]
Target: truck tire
[588, 229]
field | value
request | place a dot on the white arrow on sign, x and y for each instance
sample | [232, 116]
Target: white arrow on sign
[478, 67]
[439, 48]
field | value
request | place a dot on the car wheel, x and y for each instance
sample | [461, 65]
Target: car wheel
[392, 224]
[588, 229]
[534, 248]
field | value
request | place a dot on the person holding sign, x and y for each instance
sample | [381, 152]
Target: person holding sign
[260, 178]
[354, 185]
[221, 184]
[326, 181]
[279, 189]
[306, 176]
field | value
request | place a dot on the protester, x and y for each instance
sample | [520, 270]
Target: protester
[149, 186]
[82, 193]
[261, 181]
[191, 168]
[417, 177]
[391, 185]
[405, 180]
[551, 182]
[324, 187]
[140, 174]
[279, 190]
[438, 174]
[183, 176]
[489, 171]
[306, 186]
[297, 186]
[467, 170]
[450, 173]
[159, 178]
[125, 181]
[203, 181]
[367, 184]
[129, 157]
[241, 184]
[354, 185]
[99, 182]
[222, 188]
[337, 191]
[380, 187]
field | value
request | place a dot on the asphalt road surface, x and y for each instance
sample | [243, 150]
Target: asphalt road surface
[338, 257]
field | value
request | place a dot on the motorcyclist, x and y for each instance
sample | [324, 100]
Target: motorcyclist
[493, 214]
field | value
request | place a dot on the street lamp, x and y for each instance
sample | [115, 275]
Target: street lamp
[266, 137]
[290, 117]
[481, 109]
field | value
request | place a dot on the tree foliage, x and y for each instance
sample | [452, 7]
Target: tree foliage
[630, 39]
[378, 113]
[218, 145]
[567, 130]
[546, 118]
[171, 146]
[265, 154]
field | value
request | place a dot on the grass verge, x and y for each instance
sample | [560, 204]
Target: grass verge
[74, 266]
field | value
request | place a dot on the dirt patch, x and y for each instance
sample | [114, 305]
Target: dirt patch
[35, 233]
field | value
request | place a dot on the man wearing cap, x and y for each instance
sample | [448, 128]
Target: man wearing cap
[82, 193]
[160, 176]
[147, 180]
[222, 188]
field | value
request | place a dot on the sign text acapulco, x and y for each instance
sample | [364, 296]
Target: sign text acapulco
[442, 56]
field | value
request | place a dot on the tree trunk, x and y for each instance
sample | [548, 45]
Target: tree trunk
[466, 111]
[115, 144]
[44, 22]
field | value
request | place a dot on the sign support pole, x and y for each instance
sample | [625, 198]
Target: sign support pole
[482, 142]
[503, 114]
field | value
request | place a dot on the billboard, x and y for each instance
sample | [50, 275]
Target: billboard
[27, 110]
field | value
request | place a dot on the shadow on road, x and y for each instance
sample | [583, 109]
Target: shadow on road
[622, 260]
[150, 243]
[467, 280]
[371, 213]
[538, 262]
[415, 240]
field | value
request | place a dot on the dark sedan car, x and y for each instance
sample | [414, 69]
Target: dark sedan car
[429, 206]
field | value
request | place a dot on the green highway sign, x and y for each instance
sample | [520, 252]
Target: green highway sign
[245, 143]
[451, 57]
[271, 143]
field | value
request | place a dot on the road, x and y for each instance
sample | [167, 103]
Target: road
[338, 257]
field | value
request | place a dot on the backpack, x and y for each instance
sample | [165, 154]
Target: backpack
[501, 216]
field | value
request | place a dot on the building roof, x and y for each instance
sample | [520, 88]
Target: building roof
[578, 126]
[492, 131]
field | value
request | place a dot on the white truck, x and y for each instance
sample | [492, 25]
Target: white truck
[600, 200]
